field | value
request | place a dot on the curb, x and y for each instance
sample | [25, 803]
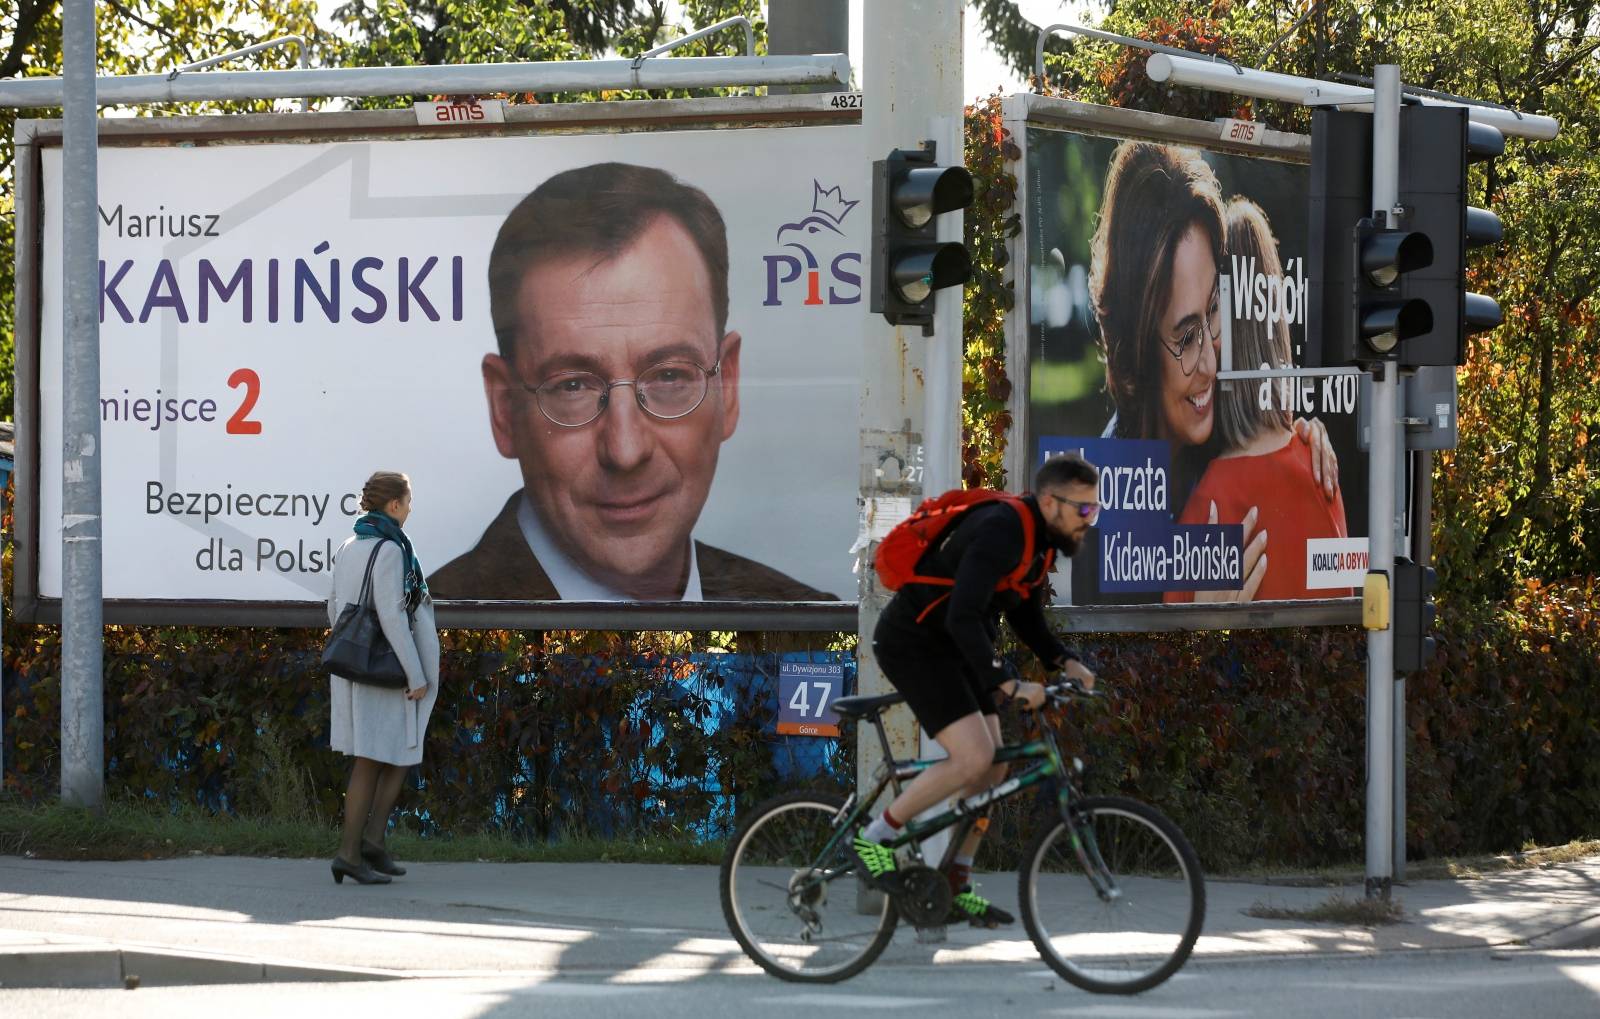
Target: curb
[1583, 934]
[82, 967]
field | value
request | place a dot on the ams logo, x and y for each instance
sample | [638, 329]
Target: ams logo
[799, 269]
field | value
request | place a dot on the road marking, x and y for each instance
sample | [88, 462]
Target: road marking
[1142, 1012]
[824, 1000]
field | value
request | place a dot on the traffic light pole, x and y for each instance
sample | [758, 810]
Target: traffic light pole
[1382, 513]
[911, 84]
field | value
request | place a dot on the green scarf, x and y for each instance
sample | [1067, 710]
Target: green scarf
[378, 524]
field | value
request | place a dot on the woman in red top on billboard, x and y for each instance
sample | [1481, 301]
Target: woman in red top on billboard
[1158, 248]
[1261, 469]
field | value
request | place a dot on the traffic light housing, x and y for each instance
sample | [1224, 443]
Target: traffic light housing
[1357, 311]
[1437, 144]
[909, 192]
[1414, 615]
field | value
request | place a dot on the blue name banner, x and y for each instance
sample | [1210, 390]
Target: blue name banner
[1141, 549]
[1172, 557]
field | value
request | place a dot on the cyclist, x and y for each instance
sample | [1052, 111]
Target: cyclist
[942, 658]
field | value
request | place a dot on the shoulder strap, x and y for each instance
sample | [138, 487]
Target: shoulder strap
[366, 581]
[1015, 579]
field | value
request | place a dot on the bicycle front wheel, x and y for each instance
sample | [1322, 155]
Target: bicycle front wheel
[1129, 920]
[791, 910]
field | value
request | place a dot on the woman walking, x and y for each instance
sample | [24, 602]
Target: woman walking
[382, 728]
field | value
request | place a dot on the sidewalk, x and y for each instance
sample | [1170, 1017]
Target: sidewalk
[226, 919]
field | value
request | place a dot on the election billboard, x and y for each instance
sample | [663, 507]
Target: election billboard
[616, 348]
[1163, 257]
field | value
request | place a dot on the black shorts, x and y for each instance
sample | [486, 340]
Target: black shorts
[936, 682]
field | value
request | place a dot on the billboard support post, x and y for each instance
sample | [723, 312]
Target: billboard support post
[912, 70]
[1381, 514]
[82, 635]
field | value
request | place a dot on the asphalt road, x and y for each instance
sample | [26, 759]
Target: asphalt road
[1463, 984]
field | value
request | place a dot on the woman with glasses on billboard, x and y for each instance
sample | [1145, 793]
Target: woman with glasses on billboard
[1153, 282]
[1261, 468]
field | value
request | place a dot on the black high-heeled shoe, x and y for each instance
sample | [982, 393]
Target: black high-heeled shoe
[363, 874]
[380, 859]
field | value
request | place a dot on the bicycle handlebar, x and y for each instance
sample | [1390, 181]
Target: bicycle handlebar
[1069, 688]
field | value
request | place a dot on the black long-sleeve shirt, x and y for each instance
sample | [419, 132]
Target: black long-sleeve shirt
[978, 552]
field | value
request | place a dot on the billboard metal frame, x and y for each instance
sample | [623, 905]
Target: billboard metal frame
[1025, 111]
[33, 136]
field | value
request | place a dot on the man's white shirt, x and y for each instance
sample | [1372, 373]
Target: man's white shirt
[571, 583]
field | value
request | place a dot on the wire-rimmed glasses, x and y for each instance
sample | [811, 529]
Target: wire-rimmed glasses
[666, 391]
[1186, 350]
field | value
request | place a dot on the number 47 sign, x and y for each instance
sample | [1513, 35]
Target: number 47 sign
[805, 692]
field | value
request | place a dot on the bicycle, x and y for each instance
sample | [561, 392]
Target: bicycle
[1111, 893]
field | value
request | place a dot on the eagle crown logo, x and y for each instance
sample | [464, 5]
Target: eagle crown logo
[830, 202]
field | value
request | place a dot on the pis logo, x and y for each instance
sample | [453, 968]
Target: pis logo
[788, 273]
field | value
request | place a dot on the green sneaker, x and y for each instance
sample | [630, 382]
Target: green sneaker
[875, 861]
[972, 908]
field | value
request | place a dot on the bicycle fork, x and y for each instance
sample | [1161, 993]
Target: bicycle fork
[1081, 830]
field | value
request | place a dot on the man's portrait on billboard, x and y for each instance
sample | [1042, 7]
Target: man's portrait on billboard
[614, 383]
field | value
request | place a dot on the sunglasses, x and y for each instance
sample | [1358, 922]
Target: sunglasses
[1087, 510]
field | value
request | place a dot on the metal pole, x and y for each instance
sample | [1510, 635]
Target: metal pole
[1204, 72]
[1381, 515]
[82, 635]
[913, 75]
[452, 79]
[808, 26]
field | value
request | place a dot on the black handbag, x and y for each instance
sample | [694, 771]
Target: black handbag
[357, 648]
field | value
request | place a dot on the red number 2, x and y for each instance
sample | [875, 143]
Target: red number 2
[240, 424]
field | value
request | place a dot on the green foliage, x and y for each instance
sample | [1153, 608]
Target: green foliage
[992, 222]
[1253, 741]
[534, 736]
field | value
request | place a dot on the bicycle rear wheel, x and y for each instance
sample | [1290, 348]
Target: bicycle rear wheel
[793, 913]
[1129, 922]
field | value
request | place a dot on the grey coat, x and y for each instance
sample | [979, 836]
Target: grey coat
[369, 721]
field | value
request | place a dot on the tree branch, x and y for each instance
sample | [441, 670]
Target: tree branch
[28, 14]
[172, 39]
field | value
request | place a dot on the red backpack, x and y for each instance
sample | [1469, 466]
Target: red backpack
[906, 543]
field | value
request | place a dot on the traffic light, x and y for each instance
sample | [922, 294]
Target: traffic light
[1357, 311]
[1437, 144]
[1385, 319]
[909, 191]
[1414, 614]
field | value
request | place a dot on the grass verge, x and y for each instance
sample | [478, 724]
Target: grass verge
[123, 831]
[1337, 909]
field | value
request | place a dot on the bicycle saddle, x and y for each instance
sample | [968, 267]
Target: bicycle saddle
[862, 707]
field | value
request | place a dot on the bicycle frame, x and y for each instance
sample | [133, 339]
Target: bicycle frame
[1048, 764]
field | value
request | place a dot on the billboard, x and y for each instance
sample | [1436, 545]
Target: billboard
[1159, 261]
[618, 358]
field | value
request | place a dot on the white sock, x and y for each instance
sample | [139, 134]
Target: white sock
[880, 830]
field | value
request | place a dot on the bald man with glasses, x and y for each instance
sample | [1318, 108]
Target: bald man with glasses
[615, 383]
